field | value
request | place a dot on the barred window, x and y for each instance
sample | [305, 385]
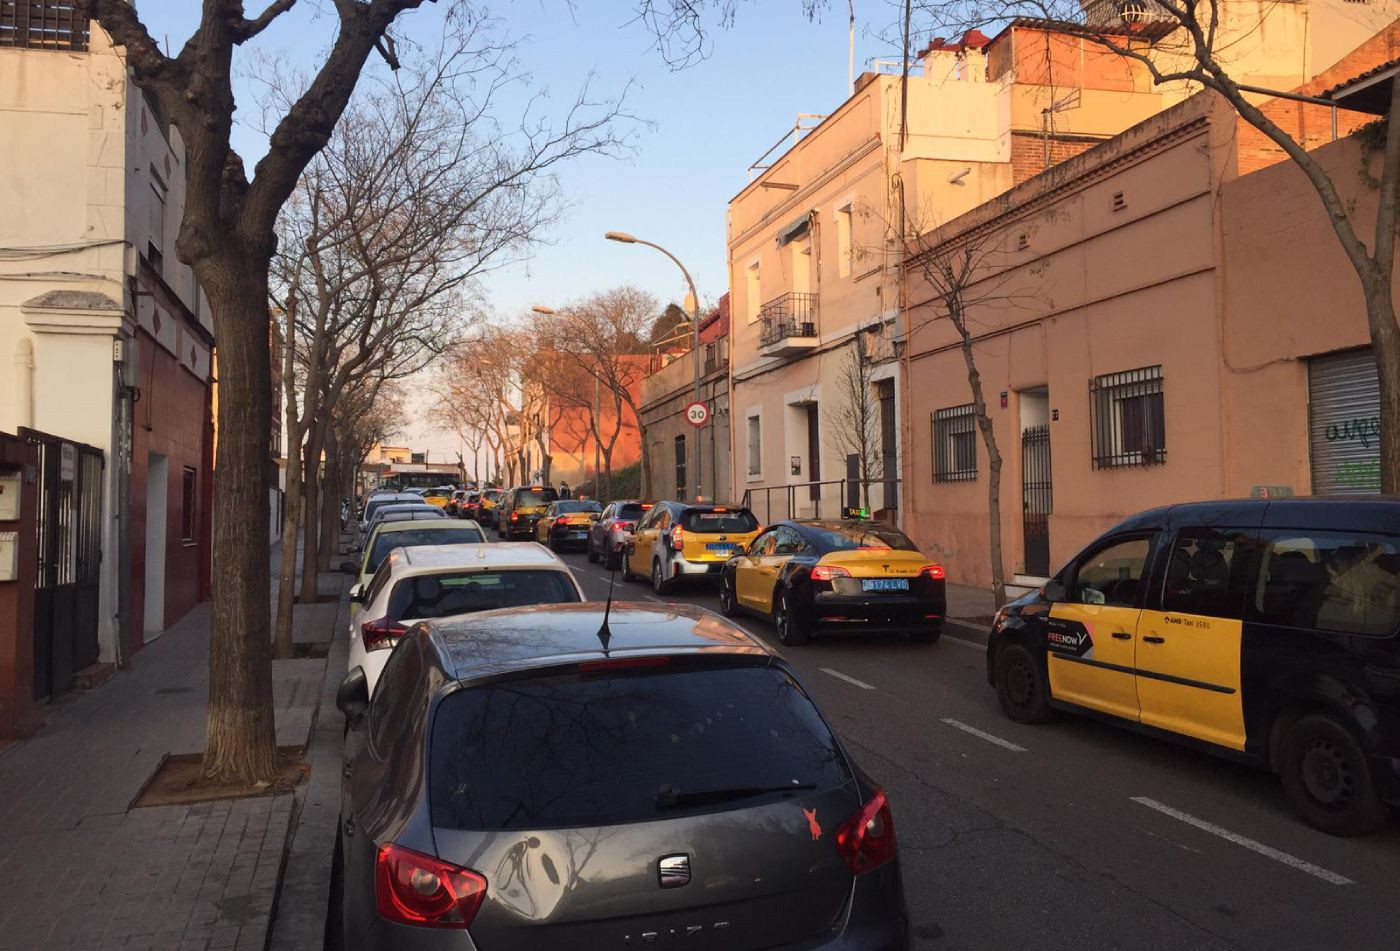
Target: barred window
[680, 467]
[1126, 419]
[755, 446]
[954, 444]
[44, 24]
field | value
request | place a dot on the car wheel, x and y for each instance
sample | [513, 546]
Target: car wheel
[659, 582]
[925, 634]
[592, 553]
[1328, 779]
[1021, 686]
[727, 605]
[792, 632]
[626, 567]
[613, 560]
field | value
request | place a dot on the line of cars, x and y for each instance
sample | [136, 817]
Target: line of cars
[527, 770]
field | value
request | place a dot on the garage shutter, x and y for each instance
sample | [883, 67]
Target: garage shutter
[1344, 424]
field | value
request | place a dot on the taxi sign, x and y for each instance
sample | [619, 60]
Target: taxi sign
[697, 414]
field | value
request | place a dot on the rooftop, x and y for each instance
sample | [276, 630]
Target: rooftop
[500, 555]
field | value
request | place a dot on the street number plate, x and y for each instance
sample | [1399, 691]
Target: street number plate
[884, 584]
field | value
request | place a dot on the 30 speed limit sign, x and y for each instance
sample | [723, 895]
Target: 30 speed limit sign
[697, 414]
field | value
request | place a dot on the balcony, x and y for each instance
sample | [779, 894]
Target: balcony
[788, 325]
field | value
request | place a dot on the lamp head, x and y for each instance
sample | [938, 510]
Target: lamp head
[547, 311]
[622, 236]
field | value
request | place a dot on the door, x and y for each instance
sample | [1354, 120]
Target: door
[1344, 423]
[748, 575]
[644, 540]
[1091, 634]
[1188, 655]
[889, 444]
[1036, 499]
[814, 457]
[157, 490]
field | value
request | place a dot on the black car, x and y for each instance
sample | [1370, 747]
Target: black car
[1265, 630]
[553, 778]
[521, 508]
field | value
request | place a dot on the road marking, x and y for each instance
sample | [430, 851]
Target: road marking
[963, 642]
[652, 597]
[983, 735]
[850, 680]
[1250, 844]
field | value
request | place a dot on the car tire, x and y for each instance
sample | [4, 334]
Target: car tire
[925, 635]
[626, 567]
[592, 553]
[613, 560]
[1022, 687]
[1327, 777]
[659, 583]
[728, 605]
[792, 632]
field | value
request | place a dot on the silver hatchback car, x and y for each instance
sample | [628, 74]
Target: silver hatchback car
[551, 778]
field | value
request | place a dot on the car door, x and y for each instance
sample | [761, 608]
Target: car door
[770, 566]
[598, 531]
[640, 547]
[546, 520]
[1091, 634]
[747, 572]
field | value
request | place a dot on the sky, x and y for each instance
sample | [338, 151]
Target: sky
[698, 130]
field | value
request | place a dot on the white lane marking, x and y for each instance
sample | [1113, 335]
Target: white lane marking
[983, 735]
[652, 597]
[850, 680]
[964, 642]
[1253, 846]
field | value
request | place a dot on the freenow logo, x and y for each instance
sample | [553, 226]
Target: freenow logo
[1068, 637]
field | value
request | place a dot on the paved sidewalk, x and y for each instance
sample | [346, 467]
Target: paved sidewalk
[80, 869]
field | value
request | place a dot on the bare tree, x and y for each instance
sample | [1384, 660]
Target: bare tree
[854, 429]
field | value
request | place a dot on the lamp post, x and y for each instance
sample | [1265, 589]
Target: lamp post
[625, 238]
[597, 410]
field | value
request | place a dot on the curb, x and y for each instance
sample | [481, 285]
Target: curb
[303, 886]
[965, 630]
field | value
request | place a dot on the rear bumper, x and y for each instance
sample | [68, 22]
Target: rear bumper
[837, 612]
[877, 919]
[564, 538]
[685, 568]
[522, 527]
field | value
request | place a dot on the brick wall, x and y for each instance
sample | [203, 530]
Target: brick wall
[1028, 152]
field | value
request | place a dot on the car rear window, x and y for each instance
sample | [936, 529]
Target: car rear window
[633, 510]
[590, 750]
[527, 498]
[386, 542]
[575, 505]
[852, 537]
[465, 592]
[726, 521]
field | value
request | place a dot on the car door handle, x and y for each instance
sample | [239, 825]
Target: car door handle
[1155, 640]
[348, 826]
[1122, 636]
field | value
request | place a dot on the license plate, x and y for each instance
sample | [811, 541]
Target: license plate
[884, 584]
[580, 535]
[719, 546]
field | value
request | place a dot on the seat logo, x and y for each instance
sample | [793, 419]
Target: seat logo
[673, 870]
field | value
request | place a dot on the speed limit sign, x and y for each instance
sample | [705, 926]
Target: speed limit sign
[697, 414]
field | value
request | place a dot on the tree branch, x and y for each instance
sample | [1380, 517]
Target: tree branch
[247, 29]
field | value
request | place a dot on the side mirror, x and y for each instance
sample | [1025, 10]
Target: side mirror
[352, 699]
[1054, 590]
[349, 568]
[594, 516]
[357, 594]
[738, 549]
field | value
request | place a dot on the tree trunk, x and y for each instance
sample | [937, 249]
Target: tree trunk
[329, 545]
[646, 459]
[287, 571]
[1385, 343]
[240, 742]
[311, 521]
[989, 440]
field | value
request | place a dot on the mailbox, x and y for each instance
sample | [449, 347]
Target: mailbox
[9, 556]
[9, 494]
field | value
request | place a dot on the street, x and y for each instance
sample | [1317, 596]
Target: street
[1076, 833]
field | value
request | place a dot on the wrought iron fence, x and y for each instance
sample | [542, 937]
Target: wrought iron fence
[791, 315]
[44, 24]
[828, 499]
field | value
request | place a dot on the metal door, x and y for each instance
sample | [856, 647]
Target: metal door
[1036, 498]
[70, 559]
[1344, 423]
[889, 443]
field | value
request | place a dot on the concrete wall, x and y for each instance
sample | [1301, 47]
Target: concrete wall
[665, 395]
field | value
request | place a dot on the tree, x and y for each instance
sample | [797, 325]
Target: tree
[853, 430]
[669, 326]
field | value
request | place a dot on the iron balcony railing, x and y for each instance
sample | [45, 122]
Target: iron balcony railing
[791, 315]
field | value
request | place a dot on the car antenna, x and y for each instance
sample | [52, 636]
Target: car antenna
[604, 632]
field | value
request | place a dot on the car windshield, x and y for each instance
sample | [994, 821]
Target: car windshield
[492, 494]
[532, 498]
[465, 592]
[386, 542]
[589, 750]
[574, 505]
[723, 521]
[374, 505]
[853, 537]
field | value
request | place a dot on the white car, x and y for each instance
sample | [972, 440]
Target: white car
[380, 499]
[433, 581]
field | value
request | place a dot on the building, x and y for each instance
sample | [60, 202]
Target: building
[110, 340]
[1159, 319]
[665, 394]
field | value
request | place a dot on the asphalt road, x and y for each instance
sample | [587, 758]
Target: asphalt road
[1073, 834]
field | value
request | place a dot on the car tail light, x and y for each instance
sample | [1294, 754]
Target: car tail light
[560, 520]
[515, 516]
[828, 572]
[935, 572]
[416, 889]
[624, 526]
[865, 841]
[677, 538]
[381, 634]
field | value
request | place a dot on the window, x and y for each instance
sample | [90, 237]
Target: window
[765, 544]
[595, 750]
[1127, 419]
[1112, 575]
[395, 690]
[753, 292]
[725, 521]
[789, 542]
[954, 444]
[188, 507]
[385, 542]
[680, 467]
[866, 535]
[44, 24]
[755, 447]
[845, 251]
[465, 592]
[1346, 583]
[1204, 573]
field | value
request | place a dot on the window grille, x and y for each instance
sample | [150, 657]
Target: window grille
[955, 444]
[44, 24]
[1126, 419]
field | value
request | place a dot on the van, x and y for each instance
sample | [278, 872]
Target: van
[520, 508]
[1264, 630]
[677, 540]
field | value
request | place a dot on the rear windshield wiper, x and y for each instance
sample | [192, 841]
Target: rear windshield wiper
[668, 797]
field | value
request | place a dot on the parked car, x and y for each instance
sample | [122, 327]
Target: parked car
[1262, 629]
[685, 540]
[380, 498]
[388, 535]
[608, 536]
[811, 576]
[520, 508]
[565, 524]
[402, 512]
[435, 581]
[538, 779]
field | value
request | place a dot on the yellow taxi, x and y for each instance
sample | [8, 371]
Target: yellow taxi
[678, 540]
[817, 575]
[439, 496]
[565, 523]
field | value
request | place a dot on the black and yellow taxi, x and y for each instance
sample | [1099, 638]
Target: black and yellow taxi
[566, 522]
[483, 508]
[520, 508]
[809, 576]
[1267, 630]
[676, 540]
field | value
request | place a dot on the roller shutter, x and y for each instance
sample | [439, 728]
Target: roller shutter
[1344, 424]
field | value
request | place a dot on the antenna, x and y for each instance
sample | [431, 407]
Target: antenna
[604, 632]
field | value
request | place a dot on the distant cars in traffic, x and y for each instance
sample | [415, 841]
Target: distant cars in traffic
[810, 576]
[483, 507]
[538, 778]
[677, 540]
[388, 535]
[607, 537]
[380, 498]
[401, 512]
[565, 523]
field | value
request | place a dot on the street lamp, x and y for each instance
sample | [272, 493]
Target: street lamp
[625, 238]
[597, 409]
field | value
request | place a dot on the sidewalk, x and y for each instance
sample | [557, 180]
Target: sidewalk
[79, 869]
